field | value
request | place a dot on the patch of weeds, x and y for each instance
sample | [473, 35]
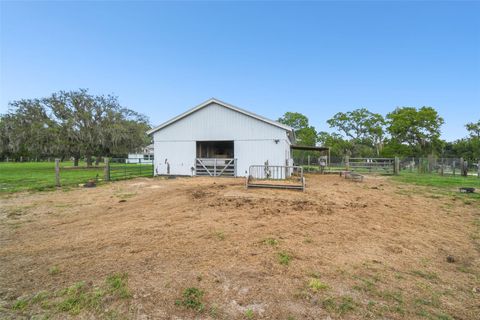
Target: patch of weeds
[192, 299]
[220, 235]
[346, 305]
[20, 304]
[284, 258]
[329, 304]
[395, 296]
[54, 270]
[316, 285]
[434, 302]
[249, 314]
[366, 285]
[270, 242]
[79, 297]
[117, 284]
[425, 274]
[40, 297]
[341, 305]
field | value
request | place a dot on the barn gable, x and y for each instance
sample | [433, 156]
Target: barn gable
[241, 115]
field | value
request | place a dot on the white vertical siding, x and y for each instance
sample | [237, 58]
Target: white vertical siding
[180, 155]
[255, 141]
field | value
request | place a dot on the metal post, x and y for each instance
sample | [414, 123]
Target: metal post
[453, 167]
[215, 167]
[57, 172]
[478, 169]
[106, 170]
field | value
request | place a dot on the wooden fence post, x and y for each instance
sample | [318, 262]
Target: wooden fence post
[106, 170]
[396, 168]
[478, 169]
[462, 165]
[57, 172]
[453, 167]
[347, 163]
[430, 163]
[441, 169]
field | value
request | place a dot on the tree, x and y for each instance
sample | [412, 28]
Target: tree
[306, 135]
[97, 125]
[474, 129]
[418, 128]
[361, 126]
[28, 131]
[73, 123]
[336, 142]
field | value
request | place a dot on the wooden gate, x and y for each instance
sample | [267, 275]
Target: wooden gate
[215, 167]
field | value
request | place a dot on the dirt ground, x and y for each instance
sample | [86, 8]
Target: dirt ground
[342, 249]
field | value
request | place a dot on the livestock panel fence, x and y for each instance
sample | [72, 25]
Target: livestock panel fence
[273, 176]
[109, 170]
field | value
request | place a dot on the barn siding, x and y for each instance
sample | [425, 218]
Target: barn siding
[179, 154]
[253, 140]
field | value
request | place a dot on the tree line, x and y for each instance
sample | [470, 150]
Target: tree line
[72, 124]
[79, 125]
[404, 132]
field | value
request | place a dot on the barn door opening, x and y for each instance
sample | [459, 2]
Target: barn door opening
[215, 149]
[215, 158]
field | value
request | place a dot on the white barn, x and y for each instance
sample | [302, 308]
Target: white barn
[216, 138]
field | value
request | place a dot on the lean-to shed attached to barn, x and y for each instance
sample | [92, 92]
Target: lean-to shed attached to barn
[216, 138]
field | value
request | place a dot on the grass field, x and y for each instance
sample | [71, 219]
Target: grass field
[25, 176]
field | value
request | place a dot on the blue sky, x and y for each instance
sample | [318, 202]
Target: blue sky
[316, 58]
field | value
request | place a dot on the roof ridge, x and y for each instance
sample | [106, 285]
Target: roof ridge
[224, 104]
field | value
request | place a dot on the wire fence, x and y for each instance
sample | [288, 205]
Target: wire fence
[122, 169]
[24, 176]
[420, 165]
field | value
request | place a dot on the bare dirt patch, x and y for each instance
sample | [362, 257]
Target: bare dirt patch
[341, 249]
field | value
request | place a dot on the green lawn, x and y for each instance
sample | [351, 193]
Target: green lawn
[435, 180]
[15, 176]
[443, 185]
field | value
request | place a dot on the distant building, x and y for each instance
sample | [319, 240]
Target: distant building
[145, 157]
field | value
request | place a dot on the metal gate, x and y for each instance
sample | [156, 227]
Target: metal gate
[216, 167]
[371, 165]
[281, 177]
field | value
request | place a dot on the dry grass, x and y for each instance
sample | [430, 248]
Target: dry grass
[209, 248]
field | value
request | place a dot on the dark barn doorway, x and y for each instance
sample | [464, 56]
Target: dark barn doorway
[215, 158]
[215, 149]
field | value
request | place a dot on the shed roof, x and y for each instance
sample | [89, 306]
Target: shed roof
[226, 105]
